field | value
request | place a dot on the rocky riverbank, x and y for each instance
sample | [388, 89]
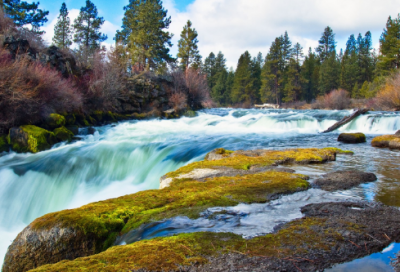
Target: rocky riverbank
[224, 178]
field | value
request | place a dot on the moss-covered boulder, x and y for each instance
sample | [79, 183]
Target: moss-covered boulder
[4, 145]
[31, 139]
[81, 120]
[387, 141]
[190, 113]
[55, 236]
[62, 134]
[329, 233]
[55, 120]
[109, 117]
[352, 138]
[70, 119]
[73, 129]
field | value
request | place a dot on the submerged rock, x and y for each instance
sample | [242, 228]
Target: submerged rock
[259, 181]
[329, 233]
[31, 139]
[343, 180]
[352, 138]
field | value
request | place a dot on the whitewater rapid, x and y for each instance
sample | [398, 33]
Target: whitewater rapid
[131, 156]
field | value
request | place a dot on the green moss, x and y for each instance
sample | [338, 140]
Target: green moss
[109, 116]
[37, 139]
[55, 120]
[383, 141]
[4, 146]
[98, 115]
[185, 197]
[70, 119]
[63, 134]
[190, 113]
[168, 254]
[139, 116]
[81, 120]
[237, 160]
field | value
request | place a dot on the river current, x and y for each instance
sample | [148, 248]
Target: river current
[131, 156]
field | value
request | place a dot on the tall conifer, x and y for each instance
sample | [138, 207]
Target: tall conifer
[62, 30]
[188, 52]
[143, 32]
[87, 28]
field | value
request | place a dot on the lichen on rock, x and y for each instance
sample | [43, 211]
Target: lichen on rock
[352, 138]
[31, 139]
[387, 141]
[101, 222]
[55, 120]
[63, 134]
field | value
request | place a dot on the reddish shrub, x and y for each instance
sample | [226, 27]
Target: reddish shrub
[192, 83]
[388, 98]
[30, 91]
[178, 101]
[107, 81]
[335, 100]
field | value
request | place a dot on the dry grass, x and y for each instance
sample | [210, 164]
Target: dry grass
[388, 98]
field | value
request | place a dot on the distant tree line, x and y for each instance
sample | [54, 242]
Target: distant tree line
[287, 75]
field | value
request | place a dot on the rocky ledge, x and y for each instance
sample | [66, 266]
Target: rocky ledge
[329, 233]
[387, 141]
[236, 177]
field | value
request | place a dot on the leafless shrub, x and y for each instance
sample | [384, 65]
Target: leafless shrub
[107, 80]
[388, 98]
[30, 91]
[335, 100]
[192, 83]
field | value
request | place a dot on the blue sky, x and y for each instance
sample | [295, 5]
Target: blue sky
[234, 26]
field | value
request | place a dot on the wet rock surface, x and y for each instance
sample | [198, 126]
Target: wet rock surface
[377, 229]
[352, 138]
[343, 180]
[330, 233]
[46, 246]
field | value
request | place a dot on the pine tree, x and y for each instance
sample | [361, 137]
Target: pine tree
[62, 30]
[218, 91]
[228, 87]
[209, 69]
[286, 47]
[87, 27]
[390, 46]
[243, 89]
[327, 44]
[23, 13]
[329, 74]
[310, 75]
[143, 32]
[349, 64]
[293, 77]
[187, 47]
[271, 75]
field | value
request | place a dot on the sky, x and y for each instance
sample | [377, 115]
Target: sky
[234, 26]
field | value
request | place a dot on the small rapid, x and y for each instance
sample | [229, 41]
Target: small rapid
[131, 156]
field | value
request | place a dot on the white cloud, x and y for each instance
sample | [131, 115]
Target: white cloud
[233, 26]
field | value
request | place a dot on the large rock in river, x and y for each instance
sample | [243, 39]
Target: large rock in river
[31, 139]
[343, 180]
[387, 141]
[352, 138]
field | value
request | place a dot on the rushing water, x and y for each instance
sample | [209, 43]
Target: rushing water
[132, 156]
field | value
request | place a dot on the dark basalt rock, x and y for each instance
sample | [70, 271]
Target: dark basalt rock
[352, 138]
[343, 180]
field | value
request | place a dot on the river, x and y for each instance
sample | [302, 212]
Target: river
[131, 156]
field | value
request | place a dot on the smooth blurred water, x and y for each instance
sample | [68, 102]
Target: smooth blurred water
[132, 156]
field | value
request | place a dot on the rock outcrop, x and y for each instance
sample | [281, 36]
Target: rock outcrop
[343, 180]
[329, 233]
[387, 141]
[31, 139]
[95, 227]
[352, 138]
